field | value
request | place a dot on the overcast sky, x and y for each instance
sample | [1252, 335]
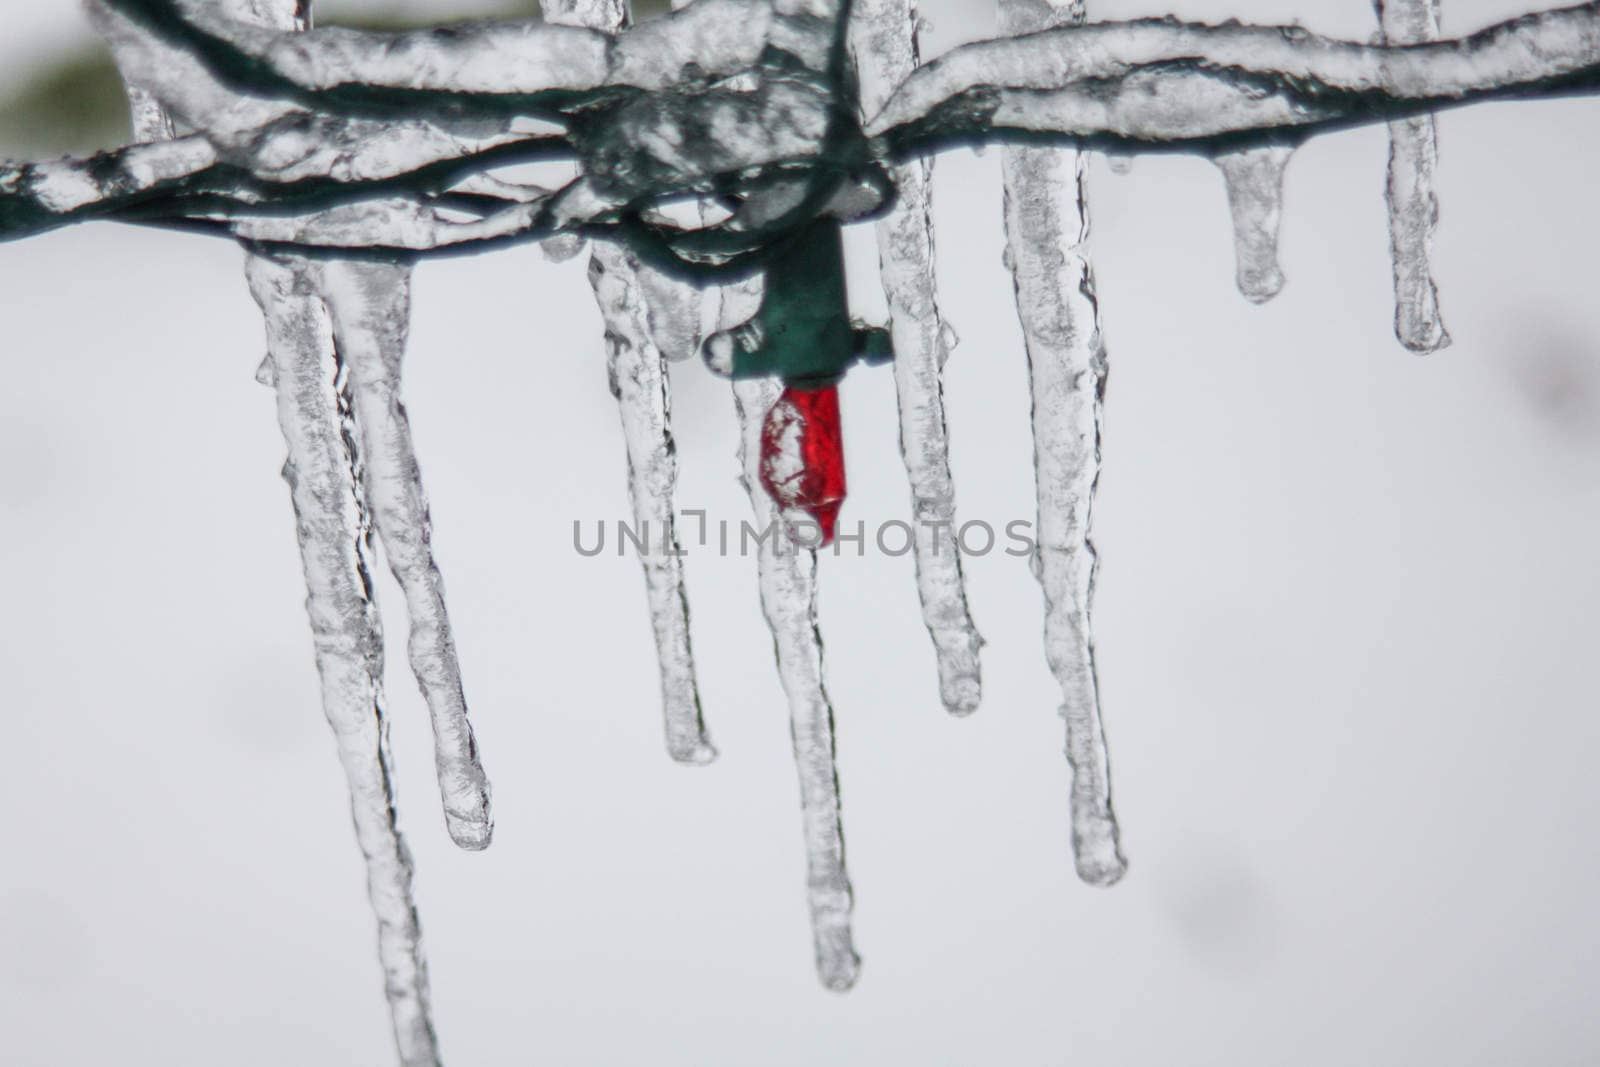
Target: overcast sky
[1346, 623]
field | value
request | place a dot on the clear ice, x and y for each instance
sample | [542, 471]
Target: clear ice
[638, 376]
[883, 36]
[648, 315]
[1413, 206]
[1254, 177]
[325, 477]
[1047, 232]
[340, 156]
[370, 305]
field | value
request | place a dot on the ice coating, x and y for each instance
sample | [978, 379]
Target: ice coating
[282, 109]
[370, 305]
[1413, 206]
[324, 475]
[883, 37]
[149, 121]
[1047, 229]
[788, 576]
[1254, 179]
[1162, 81]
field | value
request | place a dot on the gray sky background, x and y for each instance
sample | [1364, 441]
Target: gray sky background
[1346, 623]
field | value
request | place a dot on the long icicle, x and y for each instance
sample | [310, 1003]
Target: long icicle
[370, 305]
[1413, 206]
[326, 485]
[788, 577]
[325, 482]
[885, 44]
[638, 377]
[1047, 227]
[642, 320]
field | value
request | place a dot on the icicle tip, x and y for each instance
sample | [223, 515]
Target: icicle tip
[471, 832]
[695, 753]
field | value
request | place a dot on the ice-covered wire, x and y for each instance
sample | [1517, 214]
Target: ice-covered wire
[1145, 85]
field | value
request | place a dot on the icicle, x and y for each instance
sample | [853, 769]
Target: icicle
[1255, 197]
[1047, 227]
[148, 119]
[324, 475]
[639, 382]
[1413, 207]
[789, 602]
[370, 305]
[885, 43]
[327, 486]
[646, 315]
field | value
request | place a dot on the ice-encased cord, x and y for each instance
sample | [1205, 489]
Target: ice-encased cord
[370, 305]
[1413, 204]
[1153, 84]
[885, 46]
[1047, 229]
[324, 475]
[788, 579]
[286, 110]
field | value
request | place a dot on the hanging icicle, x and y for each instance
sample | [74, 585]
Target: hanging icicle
[336, 412]
[370, 304]
[325, 478]
[1047, 227]
[1413, 205]
[884, 39]
[639, 382]
[788, 575]
[647, 315]
[1254, 177]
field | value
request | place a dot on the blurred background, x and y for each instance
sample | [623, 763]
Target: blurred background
[1346, 626]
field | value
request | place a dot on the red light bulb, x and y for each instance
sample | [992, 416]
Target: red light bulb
[802, 455]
